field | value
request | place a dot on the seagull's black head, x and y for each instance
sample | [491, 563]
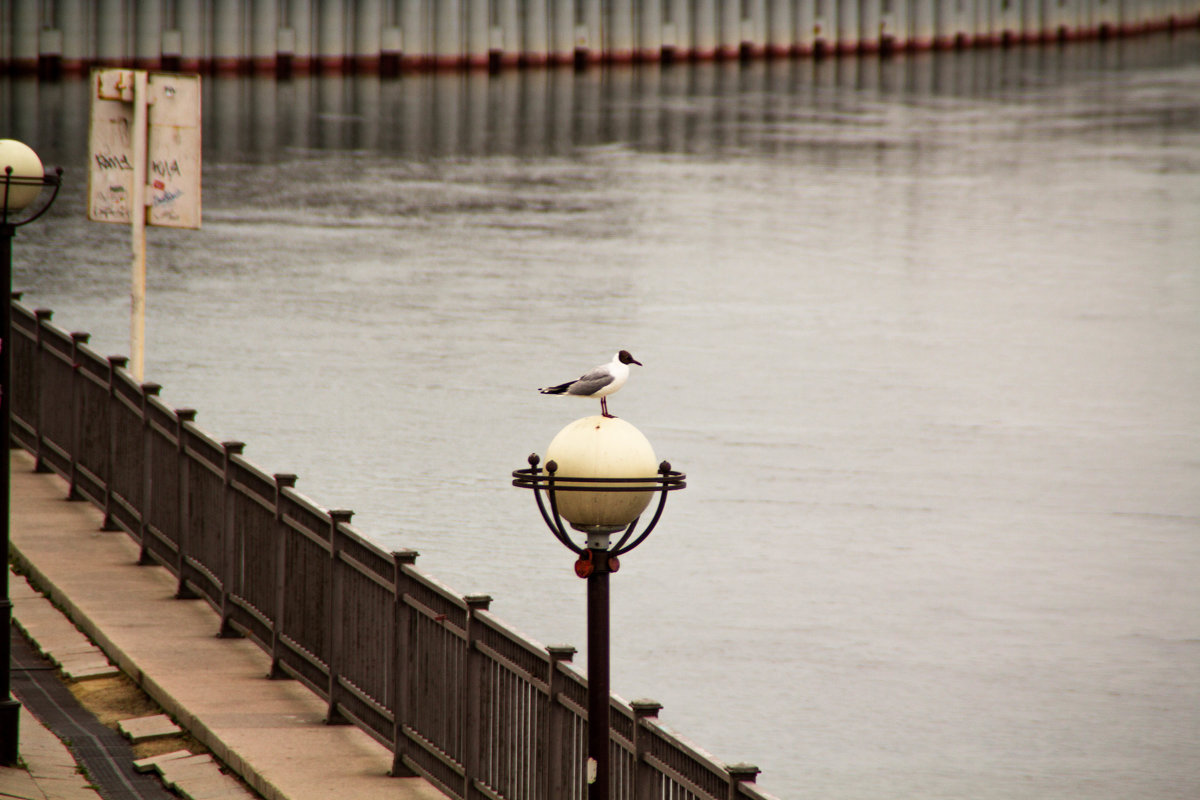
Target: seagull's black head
[625, 358]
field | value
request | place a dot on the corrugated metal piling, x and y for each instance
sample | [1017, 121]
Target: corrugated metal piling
[388, 35]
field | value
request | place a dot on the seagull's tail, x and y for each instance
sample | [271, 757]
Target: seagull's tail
[560, 389]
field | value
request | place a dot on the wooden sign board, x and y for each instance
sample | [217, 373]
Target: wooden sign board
[172, 171]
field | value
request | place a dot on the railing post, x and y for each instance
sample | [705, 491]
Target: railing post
[400, 651]
[110, 459]
[282, 481]
[229, 539]
[183, 416]
[472, 677]
[553, 735]
[335, 614]
[148, 390]
[643, 774]
[42, 315]
[739, 774]
[77, 386]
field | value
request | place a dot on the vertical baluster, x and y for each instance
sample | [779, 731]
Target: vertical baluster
[147, 505]
[183, 416]
[42, 317]
[553, 729]
[78, 387]
[110, 457]
[401, 654]
[228, 538]
[472, 676]
[335, 614]
[282, 534]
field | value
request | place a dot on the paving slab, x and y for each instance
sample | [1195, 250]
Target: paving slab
[51, 772]
[55, 638]
[174, 777]
[178, 765]
[18, 783]
[141, 729]
[270, 732]
[215, 792]
[216, 784]
[86, 669]
[199, 778]
[150, 764]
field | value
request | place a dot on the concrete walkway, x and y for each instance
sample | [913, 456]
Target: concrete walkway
[49, 773]
[271, 733]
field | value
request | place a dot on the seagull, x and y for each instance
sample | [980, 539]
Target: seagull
[599, 381]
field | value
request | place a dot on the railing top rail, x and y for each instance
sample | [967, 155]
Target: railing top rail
[311, 511]
[530, 647]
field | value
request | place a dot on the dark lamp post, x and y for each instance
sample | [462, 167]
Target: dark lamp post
[597, 558]
[22, 182]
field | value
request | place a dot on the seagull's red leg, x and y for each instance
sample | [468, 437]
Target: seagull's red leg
[604, 407]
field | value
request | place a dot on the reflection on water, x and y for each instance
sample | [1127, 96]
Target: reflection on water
[922, 332]
[707, 108]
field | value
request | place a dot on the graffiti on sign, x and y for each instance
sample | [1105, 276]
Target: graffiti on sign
[173, 148]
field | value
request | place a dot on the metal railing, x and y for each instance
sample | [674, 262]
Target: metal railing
[454, 694]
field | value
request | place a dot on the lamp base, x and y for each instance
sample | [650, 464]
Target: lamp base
[598, 536]
[10, 723]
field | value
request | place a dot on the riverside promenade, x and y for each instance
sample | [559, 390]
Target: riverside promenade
[270, 732]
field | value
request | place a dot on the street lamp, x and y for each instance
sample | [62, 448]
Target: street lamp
[600, 476]
[22, 181]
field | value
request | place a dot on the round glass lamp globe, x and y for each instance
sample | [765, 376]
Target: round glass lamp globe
[25, 164]
[602, 447]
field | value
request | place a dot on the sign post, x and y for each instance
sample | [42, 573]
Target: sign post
[144, 167]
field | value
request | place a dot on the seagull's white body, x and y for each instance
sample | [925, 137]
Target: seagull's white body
[599, 381]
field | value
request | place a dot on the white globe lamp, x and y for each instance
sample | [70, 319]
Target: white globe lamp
[24, 182]
[608, 448]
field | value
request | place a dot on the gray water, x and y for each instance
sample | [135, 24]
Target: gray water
[923, 333]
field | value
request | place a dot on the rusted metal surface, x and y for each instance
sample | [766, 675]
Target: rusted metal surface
[459, 698]
[476, 34]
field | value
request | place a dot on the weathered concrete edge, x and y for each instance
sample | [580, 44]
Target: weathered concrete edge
[186, 719]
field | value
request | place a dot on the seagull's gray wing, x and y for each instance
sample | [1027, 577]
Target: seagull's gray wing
[592, 381]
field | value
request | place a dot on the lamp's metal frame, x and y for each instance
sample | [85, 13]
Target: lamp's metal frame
[668, 480]
[596, 562]
[48, 179]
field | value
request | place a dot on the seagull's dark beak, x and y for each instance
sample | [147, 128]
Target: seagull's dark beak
[635, 361]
